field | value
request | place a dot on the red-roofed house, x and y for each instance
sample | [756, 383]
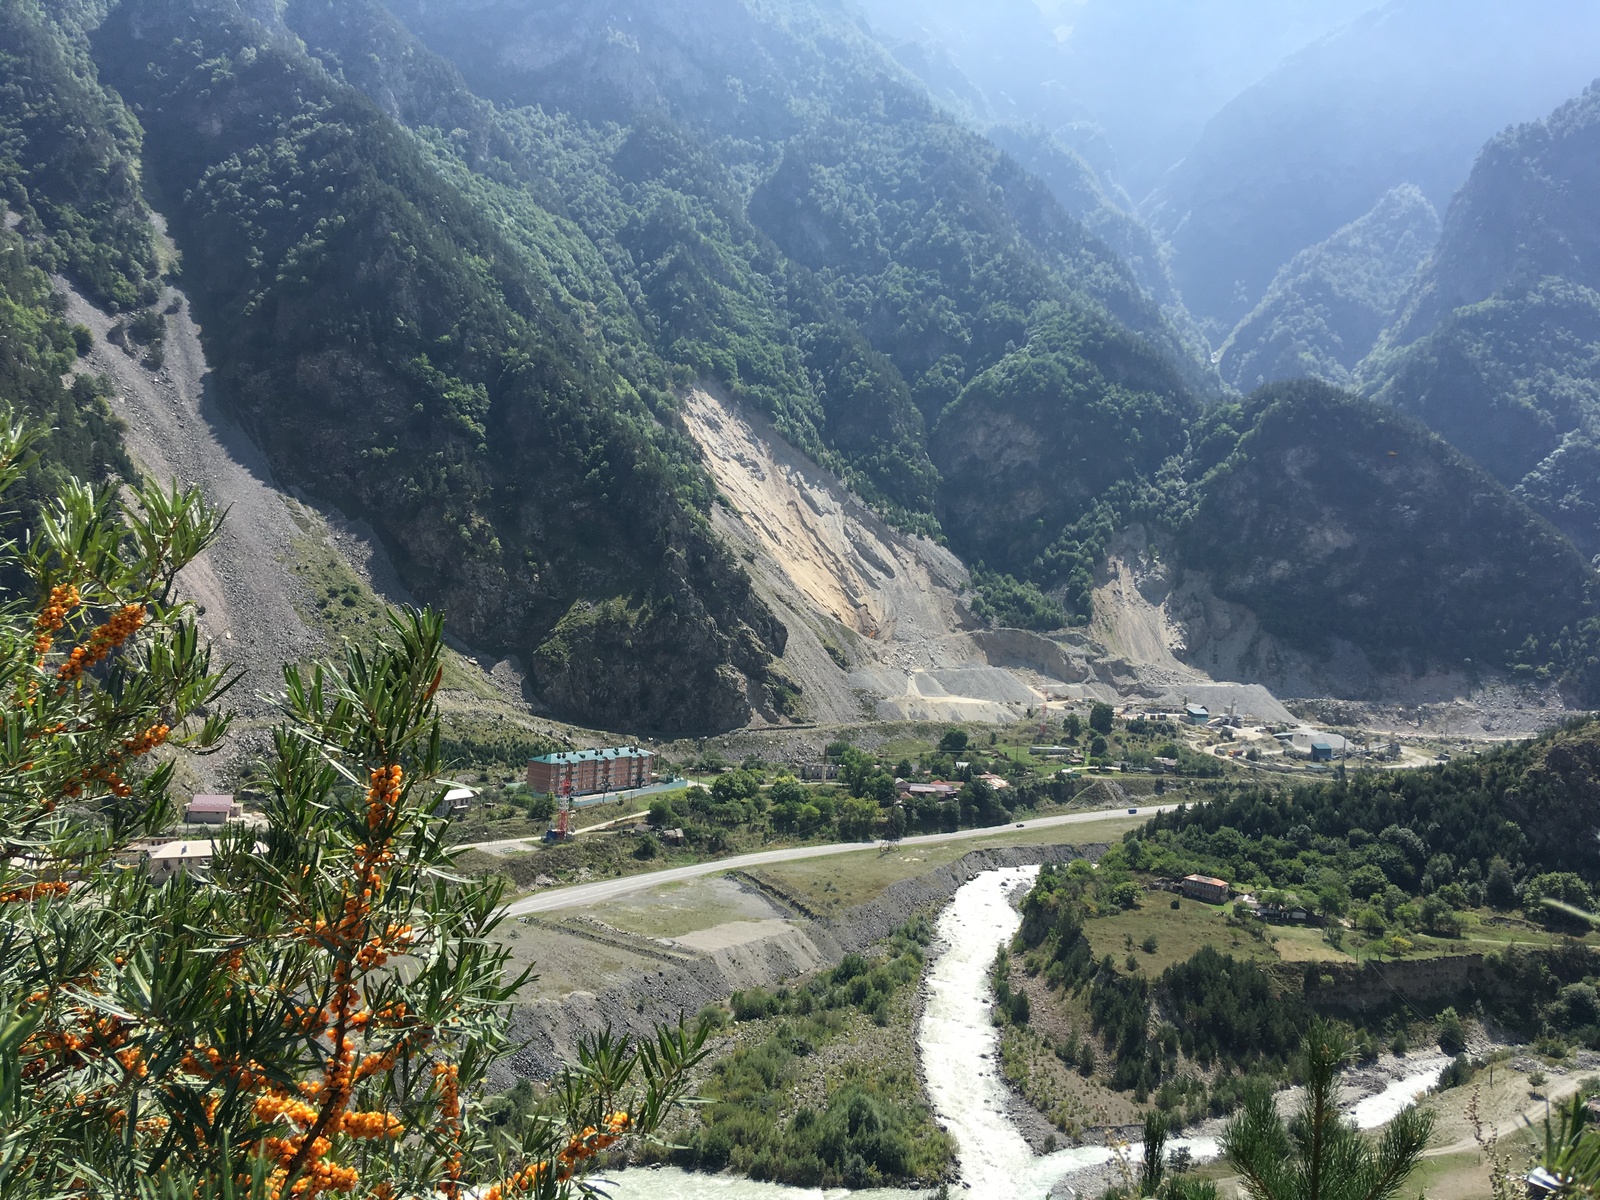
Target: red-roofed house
[1205, 887]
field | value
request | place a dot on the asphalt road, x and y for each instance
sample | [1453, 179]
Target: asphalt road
[583, 894]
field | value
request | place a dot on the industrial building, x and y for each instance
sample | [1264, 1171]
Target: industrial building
[584, 772]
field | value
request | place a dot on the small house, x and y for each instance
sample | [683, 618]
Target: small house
[672, 837]
[1206, 888]
[1196, 714]
[995, 782]
[1321, 752]
[212, 810]
[187, 856]
[456, 802]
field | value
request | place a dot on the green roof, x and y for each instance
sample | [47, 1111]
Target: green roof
[569, 758]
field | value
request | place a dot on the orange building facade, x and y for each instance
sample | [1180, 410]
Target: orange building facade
[584, 772]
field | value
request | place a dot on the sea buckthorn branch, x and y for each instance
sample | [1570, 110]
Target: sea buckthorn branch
[255, 1037]
[100, 675]
[617, 1089]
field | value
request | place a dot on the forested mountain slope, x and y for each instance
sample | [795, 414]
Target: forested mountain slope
[831, 203]
[379, 336]
[69, 158]
[1498, 343]
[1328, 305]
[1406, 93]
[1337, 518]
[933, 243]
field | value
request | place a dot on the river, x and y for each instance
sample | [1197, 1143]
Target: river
[960, 1049]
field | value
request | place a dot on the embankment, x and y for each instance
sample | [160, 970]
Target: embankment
[1427, 982]
[665, 990]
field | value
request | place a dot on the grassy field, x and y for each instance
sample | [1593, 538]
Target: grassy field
[858, 876]
[1178, 932]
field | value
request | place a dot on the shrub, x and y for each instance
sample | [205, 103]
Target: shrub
[219, 1003]
[1452, 1037]
[1458, 1072]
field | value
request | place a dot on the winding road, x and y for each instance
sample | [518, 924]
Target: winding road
[582, 894]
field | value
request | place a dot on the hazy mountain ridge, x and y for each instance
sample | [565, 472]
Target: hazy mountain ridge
[1327, 306]
[1408, 92]
[1498, 342]
[1525, 212]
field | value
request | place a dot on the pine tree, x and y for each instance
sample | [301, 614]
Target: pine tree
[1319, 1155]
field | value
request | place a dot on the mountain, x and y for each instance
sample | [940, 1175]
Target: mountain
[395, 354]
[1334, 517]
[901, 213]
[1523, 214]
[1497, 345]
[1050, 449]
[507, 282]
[1104, 210]
[1139, 76]
[69, 159]
[1326, 307]
[1406, 93]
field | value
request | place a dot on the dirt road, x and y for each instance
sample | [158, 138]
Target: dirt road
[583, 894]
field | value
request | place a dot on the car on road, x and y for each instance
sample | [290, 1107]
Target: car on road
[1019, 824]
[1132, 810]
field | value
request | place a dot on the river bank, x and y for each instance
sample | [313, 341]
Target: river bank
[659, 979]
[958, 1043]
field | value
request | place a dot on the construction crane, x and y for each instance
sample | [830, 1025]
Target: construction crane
[561, 830]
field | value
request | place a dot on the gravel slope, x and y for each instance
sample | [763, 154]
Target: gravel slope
[176, 431]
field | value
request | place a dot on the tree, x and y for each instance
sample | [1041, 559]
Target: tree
[244, 1034]
[1438, 917]
[1452, 1038]
[857, 819]
[1552, 894]
[1155, 1147]
[1319, 1155]
[953, 742]
[1072, 726]
[786, 789]
[1100, 717]
[1499, 888]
